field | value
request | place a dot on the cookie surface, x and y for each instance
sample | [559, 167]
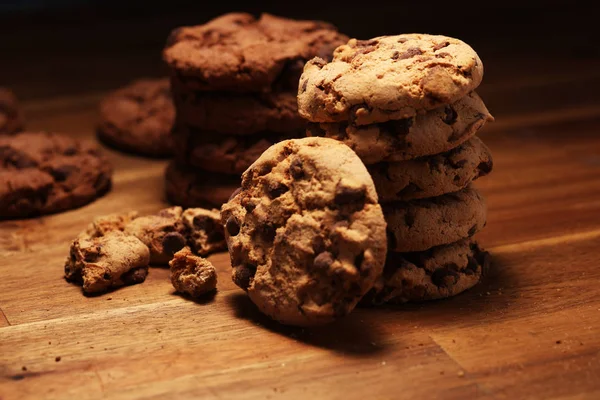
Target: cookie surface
[305, 234]
[138, 118]
[237, 52]
[192, 187]
[418, 225]
[11, 116]
[228, 154]
[433, 132]
[433, 175]
[43, 173]
[437, 273]
[388, 77]
[238, 113]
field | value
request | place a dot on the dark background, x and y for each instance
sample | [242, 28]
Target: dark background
[97, 45]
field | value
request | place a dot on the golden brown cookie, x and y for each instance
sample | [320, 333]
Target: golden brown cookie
[433, 175]
[388, 78]
[418, 225]
[306, 234]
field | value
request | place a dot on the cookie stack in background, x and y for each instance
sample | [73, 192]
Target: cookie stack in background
[234, 82]
[406, 105]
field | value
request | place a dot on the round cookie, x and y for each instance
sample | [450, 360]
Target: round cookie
[418, 225]
[237, 52]
[138, 118]
[228, 154]
[433, 132]
[238, 113]
[305, 233]
[191, 187]
[43, 173]
[11, 117]
[434, 175]
[388, 77]
[437, 273]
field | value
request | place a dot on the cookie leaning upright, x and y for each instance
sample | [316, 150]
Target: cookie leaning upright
[305, 233]
[235, 82]
[406, 105]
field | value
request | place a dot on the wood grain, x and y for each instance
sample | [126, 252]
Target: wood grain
[530, 330]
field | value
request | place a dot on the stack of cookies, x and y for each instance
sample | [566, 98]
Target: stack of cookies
[406, 105]
[234, 82]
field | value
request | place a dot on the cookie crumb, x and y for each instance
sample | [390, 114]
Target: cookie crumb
[57, 359]
[558, 341]
[461, 374]
[23, 368]
[191, 274]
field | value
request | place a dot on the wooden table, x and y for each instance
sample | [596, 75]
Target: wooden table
[530, 330]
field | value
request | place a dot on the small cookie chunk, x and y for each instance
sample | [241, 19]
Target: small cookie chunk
[238, 113]
[191, 274]
[11, 116]
[437, 273]
[107, 262]
[418, 225]
[236, 52]
[43, 173]
[108, 223]
[163, 233]
[191, 187]
[138, 118]
[228, 154]
[388, 77]
[204, 230]
[305, 233]
[433, 132]
[432, 176]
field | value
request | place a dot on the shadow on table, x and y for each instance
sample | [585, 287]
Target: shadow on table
[349, 335]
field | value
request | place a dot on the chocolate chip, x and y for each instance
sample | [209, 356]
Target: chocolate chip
[358, 260]
[441, 45]
[450, 115]
[323, 260]
[472, 230]
[204, 223]
[400, 127]
[304, 85]
[267, 232]
[243, 275]
[135, 275]
[472, 266]
[276, 189]
[444, 277]
[318, 244]
[402, 40]
[296, 170]
[396, 55]
[485, 167]
[411, 188]
[232, 226]
[235, 193]
[173, 242]
[106, 276]
[367, 43]
[61, 173]
[410, 53]
[248, 204]
[409, 218]
[348, 194]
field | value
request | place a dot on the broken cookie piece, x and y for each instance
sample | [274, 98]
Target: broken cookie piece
[108, 223]
[191, 274]
[204, 229]
[163, 233]
[107, 262]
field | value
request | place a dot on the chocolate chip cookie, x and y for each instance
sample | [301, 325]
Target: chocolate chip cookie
[228, 154]
[138, 118]
[192, 187]
[388, 78]
[43, 173]
[107, 262]
[237, 52]
[434, 175]
[238, 113]
[305, 233]
[437, 273]
[418, 225]
[11, 116]
[425, 134]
